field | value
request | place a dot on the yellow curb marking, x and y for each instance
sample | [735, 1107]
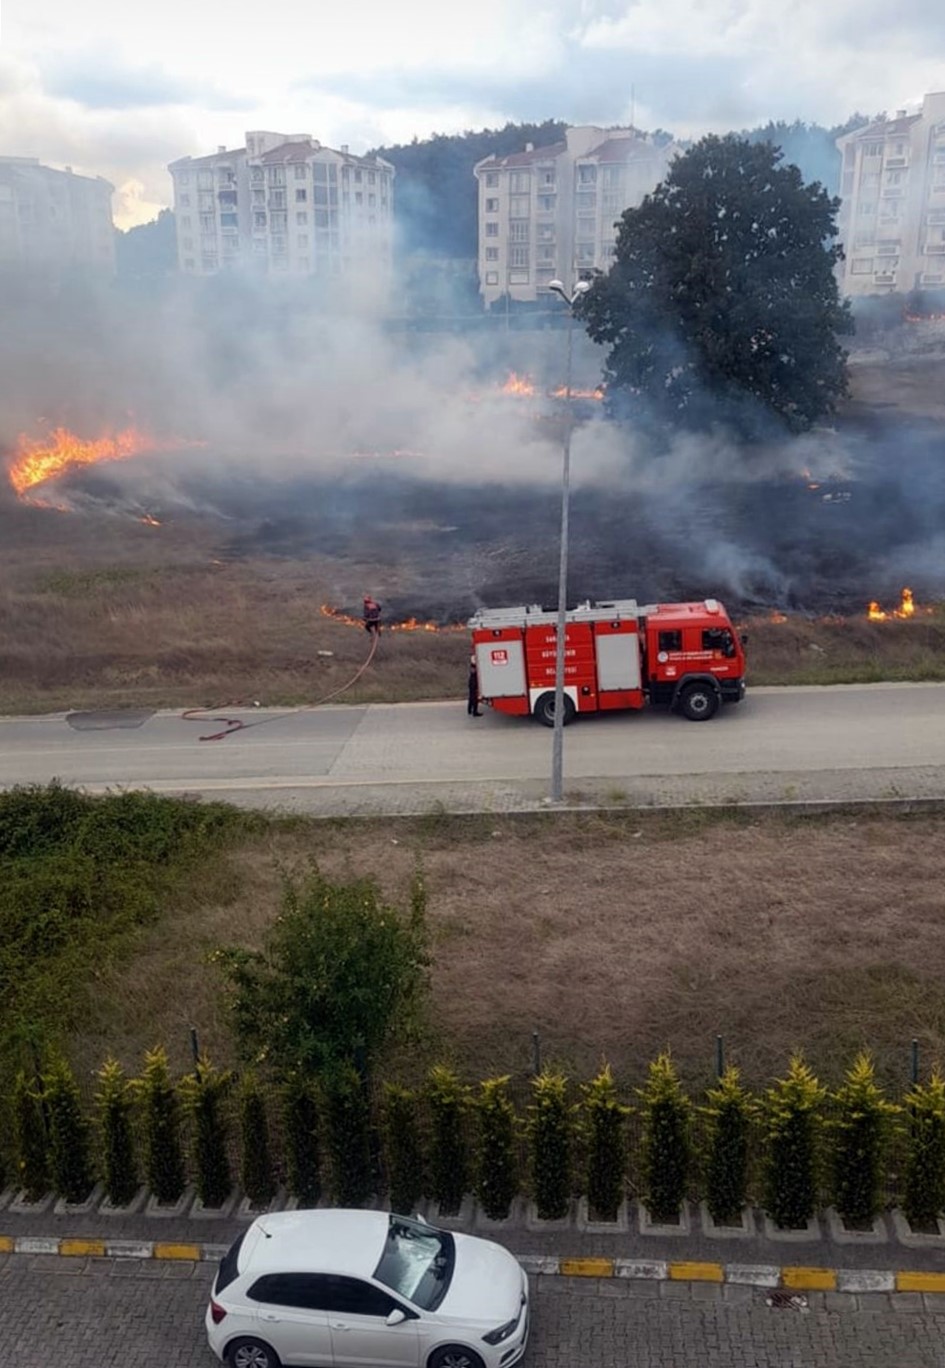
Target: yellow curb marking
[810, 1279]
[6, 1244]
[177, 1251]
[74, 1247]
[586, 1268]
[696, 1272]
[920, 1282]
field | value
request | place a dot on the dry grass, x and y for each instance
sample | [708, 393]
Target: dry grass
[613, 936]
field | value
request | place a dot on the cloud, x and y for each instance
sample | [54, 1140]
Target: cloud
[105, 83]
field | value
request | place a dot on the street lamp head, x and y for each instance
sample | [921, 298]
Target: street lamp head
[582, 287]
[557, 286]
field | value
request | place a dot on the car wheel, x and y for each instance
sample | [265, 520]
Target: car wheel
[545, 709]
[251, 1353]
[699, 702]
[454, 1356]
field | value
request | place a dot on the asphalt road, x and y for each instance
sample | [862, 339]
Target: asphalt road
[84, 1313]
[850, 742]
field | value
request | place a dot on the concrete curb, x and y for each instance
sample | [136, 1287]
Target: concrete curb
[795, 1277]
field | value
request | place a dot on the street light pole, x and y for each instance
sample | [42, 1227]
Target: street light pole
[557, 745]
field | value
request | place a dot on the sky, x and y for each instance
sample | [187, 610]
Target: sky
[119, 89]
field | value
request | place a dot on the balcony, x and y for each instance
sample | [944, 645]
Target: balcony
[884, 278]
[894, 163]
[935, 249]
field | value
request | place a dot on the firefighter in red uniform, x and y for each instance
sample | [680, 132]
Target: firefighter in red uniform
[372, 615]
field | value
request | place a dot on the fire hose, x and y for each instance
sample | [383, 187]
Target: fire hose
[235, 724]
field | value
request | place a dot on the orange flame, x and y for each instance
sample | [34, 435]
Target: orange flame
[410, 624]
[41, 459]
[150, 520]
[519, 384]
[907, 609]
[562, 393]
[775, 616]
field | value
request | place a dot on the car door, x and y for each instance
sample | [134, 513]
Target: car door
[360, 1335]
[290, 1321]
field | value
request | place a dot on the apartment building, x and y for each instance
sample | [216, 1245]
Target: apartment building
[550, 212]
[53, 222]
[892, 216]
[284, 205]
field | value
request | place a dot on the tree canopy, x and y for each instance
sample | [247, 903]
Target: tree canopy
[722, 304]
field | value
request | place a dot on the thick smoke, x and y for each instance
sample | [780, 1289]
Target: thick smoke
[326, 424]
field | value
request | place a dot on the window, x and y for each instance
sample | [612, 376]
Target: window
[546, 232]
[208, 223]
[518, 230]
[492, 230]
[865, 208]
[718, 639]
[546, 253]
[873, 149]
[518, 277]
[185, 221]
[205, 180]
[519, 206]
[302, 242]
[301, 196]
[492, 254]
[587, 175]
[358, 177]
[299, 171]
[546, 203]
[518, 256]
[372, 201]
[359, 196]
[520, 182]
[185, 201]
[585, 253]
[257, 175]
[277, 175]
[301, 219]
[492, 277]
[670, 641]
[546, 175]
[184, 178]
[372, 178]
[492, 179]
[259, 220]
[611, 176]
[187, 243]
[278, 222]
[228, 221]
[492, 206]
[586, 199]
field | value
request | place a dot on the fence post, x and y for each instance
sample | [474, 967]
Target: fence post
[194, 1046]
[915, 1061]
[719, 1057]
[536, 1053]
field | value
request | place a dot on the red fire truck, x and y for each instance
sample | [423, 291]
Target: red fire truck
[686, 656]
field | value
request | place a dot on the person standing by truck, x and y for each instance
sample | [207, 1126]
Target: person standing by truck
[472, 704]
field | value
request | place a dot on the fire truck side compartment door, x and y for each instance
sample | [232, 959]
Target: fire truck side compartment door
[501, 668]
[618, 660]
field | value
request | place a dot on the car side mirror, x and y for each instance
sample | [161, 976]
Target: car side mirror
[396, 1317]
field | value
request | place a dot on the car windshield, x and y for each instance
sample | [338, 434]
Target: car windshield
[417, 1262]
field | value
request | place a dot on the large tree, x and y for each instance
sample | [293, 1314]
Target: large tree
[722, 302]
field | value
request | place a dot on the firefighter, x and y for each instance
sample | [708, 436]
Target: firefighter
[372, 615]
[472, 705]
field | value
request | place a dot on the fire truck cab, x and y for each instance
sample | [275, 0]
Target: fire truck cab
[619, 655]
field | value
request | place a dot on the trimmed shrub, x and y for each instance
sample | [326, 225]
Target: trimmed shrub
[30, 1141]
[448, 1103]
[729, 1116]
[300, 1123]
[665, 1113]
[860, 1133]
[924, 1185]
[113, 1101]
[160, 1106]
[348, 1137]
[403, 1147]
[604, 1124]
[257, 1177]
[204, 1092]
[70, 1164]
[550, 1138]
[792, 1120]
[496, 1180]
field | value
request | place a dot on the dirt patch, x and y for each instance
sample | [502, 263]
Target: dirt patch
[613, 936]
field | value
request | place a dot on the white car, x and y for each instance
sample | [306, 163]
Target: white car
[348, 1289]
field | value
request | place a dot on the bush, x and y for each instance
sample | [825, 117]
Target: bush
[163, 1156]
[792, 1123]
[204, 1092]
[924, 1185]
[257, 1178]
[403, 1148]
[666, 1140]
[604, 1123]
[860, 1133]
[550, 1127]
[448, 1103]
[30, 1140]
[300, 1123]
[348, 1137]
[342, 973]
[496, 1181]
[68, 1133]
[114, 1103]
[729, 1124]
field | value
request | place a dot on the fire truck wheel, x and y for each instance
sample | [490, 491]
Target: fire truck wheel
[699, 702]
[545, 709]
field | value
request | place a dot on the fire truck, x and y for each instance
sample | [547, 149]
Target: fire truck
[620, 655]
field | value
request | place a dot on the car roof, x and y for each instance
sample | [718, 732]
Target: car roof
[331, 1241]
